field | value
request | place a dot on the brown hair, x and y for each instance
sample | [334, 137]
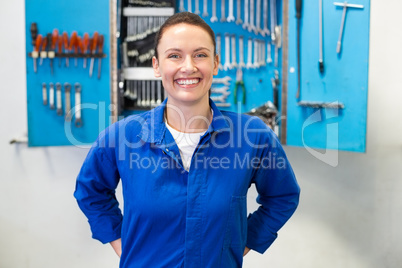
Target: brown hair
[187, 18]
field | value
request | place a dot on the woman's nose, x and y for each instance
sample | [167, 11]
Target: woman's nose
[188, 65]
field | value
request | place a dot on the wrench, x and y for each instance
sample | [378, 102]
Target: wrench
[258, 18]
[78, 120]
[234, 61]
[189, 6]
[239, 21]
[262, 53]
[153, 93]
[148, 102]
[249, 53]
[220, 90]
[265, 30]
[139, 95]
[67, 106]
[269, 59]
[44, 94]
[278, 43]
[251, 26]
[272, 9]
[225, 80]
[256, 52]
[214, 18]
[205, 9]
[245, 24]
[58, 99]
[51, 95]
[221, 98]
[218, 48]
[227, 65]
[197, 7]
[241, 52]
[223, 17]
[230, 16]
[181, 8]
[144, 100]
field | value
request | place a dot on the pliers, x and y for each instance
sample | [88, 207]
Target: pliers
[239, 83]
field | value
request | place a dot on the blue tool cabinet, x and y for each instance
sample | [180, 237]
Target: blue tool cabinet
[345, 80]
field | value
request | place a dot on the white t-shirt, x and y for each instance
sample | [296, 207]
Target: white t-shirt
[187, 142]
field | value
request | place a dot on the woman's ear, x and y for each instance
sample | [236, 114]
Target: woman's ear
[155, 65]
[216, 64]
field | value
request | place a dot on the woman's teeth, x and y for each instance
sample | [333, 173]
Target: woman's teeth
[188, 81]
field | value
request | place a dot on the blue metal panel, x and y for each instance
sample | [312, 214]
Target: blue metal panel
[45, 127]
[345, 79]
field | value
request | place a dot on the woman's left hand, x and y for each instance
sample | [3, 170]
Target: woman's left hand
[246, 250]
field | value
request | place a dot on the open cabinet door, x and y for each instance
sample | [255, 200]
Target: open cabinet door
[50, 93]
[331, 111]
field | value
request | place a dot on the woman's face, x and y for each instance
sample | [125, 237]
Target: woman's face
[186, 63]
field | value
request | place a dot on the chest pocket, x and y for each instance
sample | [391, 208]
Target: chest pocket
[236, 227]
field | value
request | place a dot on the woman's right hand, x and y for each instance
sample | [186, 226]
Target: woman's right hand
[116, 245]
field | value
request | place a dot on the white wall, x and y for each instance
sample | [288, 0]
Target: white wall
[349, 216]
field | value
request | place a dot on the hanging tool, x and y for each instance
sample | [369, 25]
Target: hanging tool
[224, 80]
[257, 29]
[238, 20]
[100, 51]
[231, 13]
[214, 18]
[78, 120]
[67, 99]
[345, 6]
[58, 99]
[227, 65]
[34, 35]
[241, 52]
[249, 53]
[181, 8]
[51, 96]
[251, 26]
[85, 46]
[218, 48]
[234, 61]
[35, 53]
[223, 17]
[239, 83]
[189, 6]
[43, 51]
[197, 7]
[60, 48]
[256, 63]
[93, 51]
[275, 83]
[298, 18]
[205, 9]
[44, 94]
[320, 32]
[65, 45]
[265, 30]
[52, 51]
[245, 24]
[73, 46]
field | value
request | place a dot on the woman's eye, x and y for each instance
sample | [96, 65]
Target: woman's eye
[201, 55]
[173, 56]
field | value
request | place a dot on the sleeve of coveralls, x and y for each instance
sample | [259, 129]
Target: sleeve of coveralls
[278, 196]
[95, 192]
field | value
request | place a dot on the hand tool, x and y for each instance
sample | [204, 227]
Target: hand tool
[139, 95]
[159, 92]
[225, 80]
[197, 7]
[153, 93]
[65, 44]
[275, 83]
[241, 52]
[269, 59]
[220, 90]
[265, 30]
[278, 43]
[223, 17]
[205, 9]
[35, 53]
[257, 29]
[298, 18]
[60, 48]
[148, 89]
[93, 51]
[218, 48]
[189, 6]
[317, 104]
[52, 51]
[256, 63]
[43, 51]
[238, 20]
[234, 50]
[214, 18]
[100, 51]
[345, 6]
[239, 83]
[51, 95]
[67, 100]
[222, 104]
[144, 100]
[221, 98]
[249, 53]
[262, 53]
[181, 8]
[85, 46]
[44, 94]
[230, 16]
[73, 46]
[246, 13]
[34, 35]
[272, 11]
[227, 65]
[77, 107]
[320, 32]
[59, 109]
[251, 26]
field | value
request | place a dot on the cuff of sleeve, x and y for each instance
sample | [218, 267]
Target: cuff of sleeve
[258, 239]
[99, 233]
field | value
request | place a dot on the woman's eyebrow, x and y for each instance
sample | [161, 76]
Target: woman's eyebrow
[179, 50]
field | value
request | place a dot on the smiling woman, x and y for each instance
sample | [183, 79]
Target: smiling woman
[186, 168]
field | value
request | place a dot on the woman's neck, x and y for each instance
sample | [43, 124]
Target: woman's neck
[192, 118]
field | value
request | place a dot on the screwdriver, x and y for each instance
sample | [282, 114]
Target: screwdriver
[85, 46]
[51, 53]
[93, 51]
[73, 46]
[298, 17]
[34, 35]
[35, 53]
[100, 51]
[65, 44]
[60, 48]
[43, 52]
